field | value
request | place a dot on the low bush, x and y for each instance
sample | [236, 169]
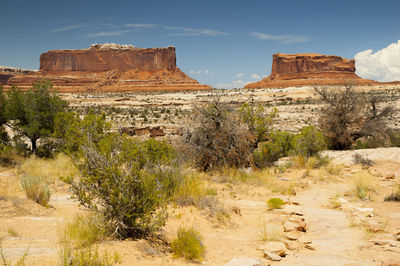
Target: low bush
[279, 145]
[128, 182]
[188, 245]
[87, 257]
[363, 160]
[36, 189]
[309, 142]
[275, 203]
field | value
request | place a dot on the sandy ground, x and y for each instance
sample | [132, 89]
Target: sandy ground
[339, 236]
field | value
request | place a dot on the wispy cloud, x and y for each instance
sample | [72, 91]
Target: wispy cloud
[285, 38]
[141, 25]
[199, 72]
[184, 31]
[70, 27]
[107, 33]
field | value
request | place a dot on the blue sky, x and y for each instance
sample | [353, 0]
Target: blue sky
[221, 43]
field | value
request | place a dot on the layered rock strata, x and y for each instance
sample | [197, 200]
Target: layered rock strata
[107, 67]
[290, 70]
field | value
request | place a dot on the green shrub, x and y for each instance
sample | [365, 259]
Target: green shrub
[188, 245]
[309, 142]
[275, 203]
[126, 182]
[395, 137]
[279, 145]
[36, 189]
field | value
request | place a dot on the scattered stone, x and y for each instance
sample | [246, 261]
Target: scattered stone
[244, 262]
[390, 176]
[309, 246]
[290, 226]
[292, 245]
[305, 240]
[366, 212]
[272, 256]
[291, 235]
[382, 242]
[277, 248]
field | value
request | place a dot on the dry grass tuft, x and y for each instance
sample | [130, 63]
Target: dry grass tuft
[364, 185]
[36, 189]
[270, 232]
[50, 170]
[188, 245]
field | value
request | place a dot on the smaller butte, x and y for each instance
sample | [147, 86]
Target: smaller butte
[106, 68]
[293, 70]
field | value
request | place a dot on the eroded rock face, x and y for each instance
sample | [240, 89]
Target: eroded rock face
[107, 67]
[309, 69]
[97, 59]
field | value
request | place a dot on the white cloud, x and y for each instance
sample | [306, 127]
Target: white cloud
[185, 31]
[191, 72]
[238, 76]
[284, 39]
[107, 33]
[70, 27]
[255, 76]
[141, 25]
[383, 65]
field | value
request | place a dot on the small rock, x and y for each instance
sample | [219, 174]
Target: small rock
[244, 262]
[309, 246]
[305, 240]
[277, 248]
[390, 176]
[292, 245]
[290, 226]
[382, 242]
[291, 235]
[271, 256]
[366, 212]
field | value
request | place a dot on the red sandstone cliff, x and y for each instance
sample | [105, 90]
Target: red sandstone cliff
[108, 67]
[309, 69]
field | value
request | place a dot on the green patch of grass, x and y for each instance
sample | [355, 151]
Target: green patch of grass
[188, 245]
[36, 189]
[275, 203]
[11, 231]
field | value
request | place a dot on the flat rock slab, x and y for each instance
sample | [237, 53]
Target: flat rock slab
[244, 262]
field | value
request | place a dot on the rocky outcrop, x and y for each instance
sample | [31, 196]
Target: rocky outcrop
[107, 67]
[97, 59]
[309, 69]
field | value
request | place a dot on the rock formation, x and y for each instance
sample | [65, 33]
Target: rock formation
[106, 67]
[289, 70]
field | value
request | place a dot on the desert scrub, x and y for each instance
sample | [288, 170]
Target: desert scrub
[309, 142]
[270, 232]
[36, 189]
[87, 257]
[128, 182]
[85, 229]
[275, 203]
[364, 185]
[395, 195]
[188, 245]
[50, 170]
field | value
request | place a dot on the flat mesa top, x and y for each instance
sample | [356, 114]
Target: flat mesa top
[304, 54]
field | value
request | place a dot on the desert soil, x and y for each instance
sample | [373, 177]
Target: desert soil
[356, 232]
